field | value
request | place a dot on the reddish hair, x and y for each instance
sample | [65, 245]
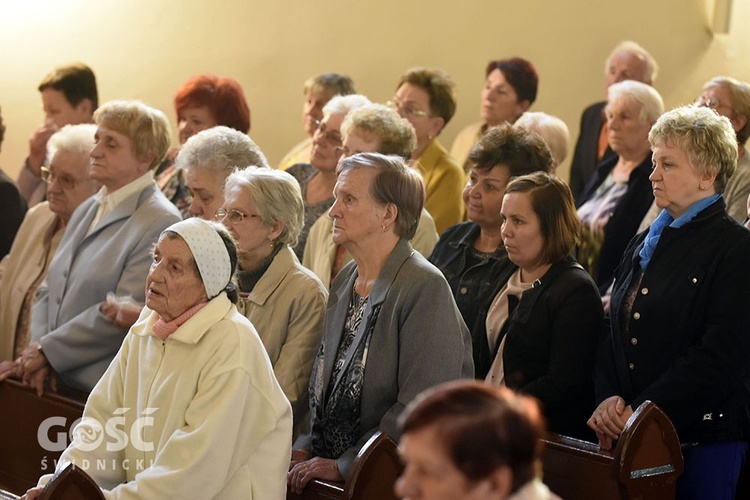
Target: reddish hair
[222, 96]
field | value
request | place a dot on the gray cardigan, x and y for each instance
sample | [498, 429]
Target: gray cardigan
[419, 341]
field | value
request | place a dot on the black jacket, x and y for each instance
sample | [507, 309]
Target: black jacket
[551, 339]
[625, 218]
[585, 160]
[687, 347]
[473, 288]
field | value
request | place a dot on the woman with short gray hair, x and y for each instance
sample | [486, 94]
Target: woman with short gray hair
[207, 159]
[619, 194]
[263, 210]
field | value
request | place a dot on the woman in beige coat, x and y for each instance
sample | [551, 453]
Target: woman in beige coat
[264, 211]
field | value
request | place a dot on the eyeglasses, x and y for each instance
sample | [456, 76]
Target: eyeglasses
[712, 103]
[65, 181]
[405, 110]
[332, 137]
[235, 216]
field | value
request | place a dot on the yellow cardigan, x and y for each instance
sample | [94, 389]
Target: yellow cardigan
[444, 182]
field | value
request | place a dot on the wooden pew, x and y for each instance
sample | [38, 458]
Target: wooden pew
[372, 477]
[644, 465]
[22, 413]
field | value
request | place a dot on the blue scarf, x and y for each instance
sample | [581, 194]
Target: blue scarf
[664, 220]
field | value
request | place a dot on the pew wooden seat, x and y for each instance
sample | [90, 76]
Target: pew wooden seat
[644, 465]
[21, 415]
[372, 476]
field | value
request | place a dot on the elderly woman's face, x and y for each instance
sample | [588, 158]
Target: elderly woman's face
[413, 103]
[357, 217]
[521, 230]
[627, 132]
[173, 285]
[483, 196]
[499, 100]
[359, 142]
[676, 181]
[312, 109]
[70, 183]
[206, 187]
[113, 160]
[429, 474]
[190, 121]
[255, 240]
[326, 143]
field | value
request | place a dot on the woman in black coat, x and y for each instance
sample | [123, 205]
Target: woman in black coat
[680, 326]
[542, 325]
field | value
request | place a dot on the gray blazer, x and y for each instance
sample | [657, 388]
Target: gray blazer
[77, 338]
[419, 341]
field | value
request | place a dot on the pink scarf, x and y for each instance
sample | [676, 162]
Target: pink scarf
[164, 329]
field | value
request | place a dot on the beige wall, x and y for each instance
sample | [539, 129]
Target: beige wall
[146, 48]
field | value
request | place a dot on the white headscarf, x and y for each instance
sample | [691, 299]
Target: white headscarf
[209, 252]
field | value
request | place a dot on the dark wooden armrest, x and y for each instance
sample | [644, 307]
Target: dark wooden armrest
[372, 476]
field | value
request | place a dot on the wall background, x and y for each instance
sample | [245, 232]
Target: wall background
[146, 48]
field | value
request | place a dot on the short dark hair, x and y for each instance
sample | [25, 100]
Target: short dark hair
[438, 86]
[76, 81]
[481, 427]
[553, 203]
[334, 83]
[520, 74]
[222, 95]
[395, 183]
[519, 150]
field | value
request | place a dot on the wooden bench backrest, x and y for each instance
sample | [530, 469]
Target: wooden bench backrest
[645, 464]
[22, 413]
[372, 476]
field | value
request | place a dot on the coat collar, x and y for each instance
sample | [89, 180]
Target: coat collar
[281, 265]
[193, 330]
[338, 308]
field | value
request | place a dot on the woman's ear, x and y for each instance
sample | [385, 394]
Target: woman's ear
[436, 126]
[277, 229]
[390, 214]
[500, 482]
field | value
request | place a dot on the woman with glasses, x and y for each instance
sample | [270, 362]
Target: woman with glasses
[286, 303]
[317, 178]
[509, 89]
[424, 96]
[106, 248]
[318, 90]
[370, 129]
[25, 267]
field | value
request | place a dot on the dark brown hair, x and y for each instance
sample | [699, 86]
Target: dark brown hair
[481, 427]
[76, 81]
[520, 74]
[553, 203]
[519, 150]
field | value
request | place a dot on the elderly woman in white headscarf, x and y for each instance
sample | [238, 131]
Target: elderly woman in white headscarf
[192, 387]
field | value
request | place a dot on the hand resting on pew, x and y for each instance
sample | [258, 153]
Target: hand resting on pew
[609, 419]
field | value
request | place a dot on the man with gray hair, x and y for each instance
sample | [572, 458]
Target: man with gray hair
[628, 61]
